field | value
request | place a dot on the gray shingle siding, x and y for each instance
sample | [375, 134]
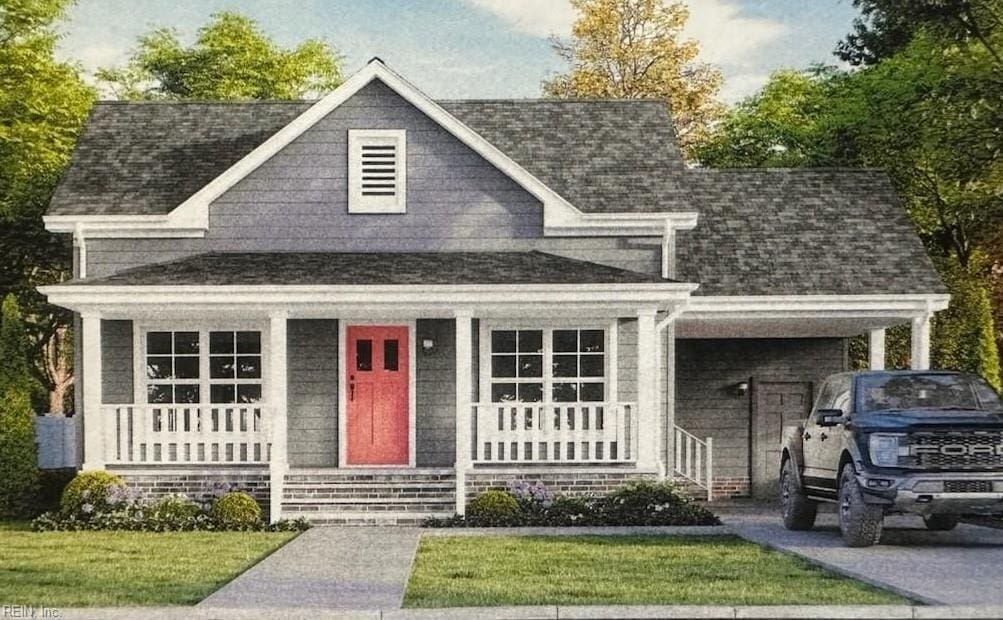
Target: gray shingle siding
[312, 371]
[116, 362]
[435, 394]
[707, 404]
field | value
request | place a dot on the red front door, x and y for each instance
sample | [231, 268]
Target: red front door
[377, 377]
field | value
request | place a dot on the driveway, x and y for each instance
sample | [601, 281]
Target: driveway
[961, 567]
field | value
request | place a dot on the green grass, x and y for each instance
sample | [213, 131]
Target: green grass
[595, 570]
[70, 569]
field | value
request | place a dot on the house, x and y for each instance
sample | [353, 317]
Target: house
[373, 306]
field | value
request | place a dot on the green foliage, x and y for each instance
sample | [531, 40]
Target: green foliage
[964, 332]
[232, 59]
[88, 493]
[638, 503]
[494, 507]
[51, 484]
[236, 509]
[14, 372]
[18, 458]
[175, 508]
[651, 503]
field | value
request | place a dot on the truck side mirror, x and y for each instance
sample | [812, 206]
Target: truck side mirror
[830, 417]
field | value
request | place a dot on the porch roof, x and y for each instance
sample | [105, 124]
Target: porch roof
[388, 269]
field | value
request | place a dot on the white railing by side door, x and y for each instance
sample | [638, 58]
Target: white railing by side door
[555, 432]
[694, 460]
[186, 434]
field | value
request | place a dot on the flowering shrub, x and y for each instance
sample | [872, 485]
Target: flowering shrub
[124, 508]
[88, 493]
[236, 510]
[494, 508]
[638, 503]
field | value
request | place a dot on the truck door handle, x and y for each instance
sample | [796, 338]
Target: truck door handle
[807, 435]
[823, 437]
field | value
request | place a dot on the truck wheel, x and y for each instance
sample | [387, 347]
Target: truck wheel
[941, 522]
[859, 522]
[799, 511]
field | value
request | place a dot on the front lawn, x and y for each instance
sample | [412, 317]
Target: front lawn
[70, 569]
[464, 571]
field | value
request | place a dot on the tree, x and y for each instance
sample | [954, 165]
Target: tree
[18, 458]
[886, 27]
[634, 49]
[231, 59]
[43, 104]
[965, 335]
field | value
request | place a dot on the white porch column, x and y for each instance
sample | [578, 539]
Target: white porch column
[876, 349]
[464, 370]
[670, 396]
[921, 342]
[278, 462]
[94, 456]
[647, 395]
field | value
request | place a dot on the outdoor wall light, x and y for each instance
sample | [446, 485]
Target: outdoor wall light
[742, 388]
[427, 345]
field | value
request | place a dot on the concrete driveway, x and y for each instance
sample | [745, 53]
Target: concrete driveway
[961, 567]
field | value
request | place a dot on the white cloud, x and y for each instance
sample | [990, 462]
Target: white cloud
[538, 18]
[729, 39]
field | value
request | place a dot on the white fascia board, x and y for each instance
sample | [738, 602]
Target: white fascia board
[562, 220]
[649, 293]
[121, 226]
[818, 306]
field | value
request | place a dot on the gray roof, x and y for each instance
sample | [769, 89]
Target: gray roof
[804, 232]
[317, 268]
[146, 158]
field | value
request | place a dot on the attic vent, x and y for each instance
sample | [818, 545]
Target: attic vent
[376, 171]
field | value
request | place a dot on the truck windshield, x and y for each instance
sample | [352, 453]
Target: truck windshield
[940, 392]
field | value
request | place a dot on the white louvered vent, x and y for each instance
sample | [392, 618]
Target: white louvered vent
[377, 171]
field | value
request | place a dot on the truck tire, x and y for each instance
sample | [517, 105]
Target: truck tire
[859, 522]
[799, 511]
[941, 522]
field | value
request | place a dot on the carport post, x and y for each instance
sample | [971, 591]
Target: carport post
[876, 349]
[921, 342]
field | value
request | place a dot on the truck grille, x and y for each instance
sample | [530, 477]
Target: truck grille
[968, 486]
[969, 450]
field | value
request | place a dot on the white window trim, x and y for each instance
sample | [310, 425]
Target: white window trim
[412, 329]
[140, 380]
[610, 349]
[357, 203]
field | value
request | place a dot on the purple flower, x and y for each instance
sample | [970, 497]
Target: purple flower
[87, 508]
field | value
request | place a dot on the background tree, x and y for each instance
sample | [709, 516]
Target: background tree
[18, 458]
[929, 111]
[635, 49]
[231, 59]
[42, 106]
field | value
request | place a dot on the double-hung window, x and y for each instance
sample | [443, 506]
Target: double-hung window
[192, 367]
[548, 365]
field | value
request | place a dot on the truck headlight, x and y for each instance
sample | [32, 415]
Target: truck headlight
[884, 449]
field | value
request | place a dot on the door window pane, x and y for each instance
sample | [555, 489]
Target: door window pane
[390, 355]
[363, 355]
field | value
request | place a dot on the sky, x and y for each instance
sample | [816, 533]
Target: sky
[471, 48]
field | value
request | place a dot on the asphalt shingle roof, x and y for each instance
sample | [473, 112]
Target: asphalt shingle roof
[803, 232]
[319, 268]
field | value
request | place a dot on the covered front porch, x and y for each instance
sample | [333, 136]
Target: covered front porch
[407, 388]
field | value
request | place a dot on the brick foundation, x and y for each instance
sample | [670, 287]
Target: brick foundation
[566, 483]
[198, 485]
[731, 487]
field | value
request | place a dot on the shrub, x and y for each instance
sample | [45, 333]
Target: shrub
[493, 508]
[236, 510]
[651, 503]
[90, 493]
[963, 335]
[18, 458]
[175, 509]
[51, 484]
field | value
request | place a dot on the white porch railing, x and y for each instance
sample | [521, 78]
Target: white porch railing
[695, 460]
[555, 432]
[186, 434]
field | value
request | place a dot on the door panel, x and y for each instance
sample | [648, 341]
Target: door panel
[377, 376]
[778, 405]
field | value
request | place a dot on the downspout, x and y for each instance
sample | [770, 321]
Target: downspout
[81, 244]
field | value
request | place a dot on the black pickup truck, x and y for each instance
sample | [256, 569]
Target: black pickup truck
[922, 442]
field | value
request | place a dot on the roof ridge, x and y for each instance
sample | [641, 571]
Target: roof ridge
[174, 102]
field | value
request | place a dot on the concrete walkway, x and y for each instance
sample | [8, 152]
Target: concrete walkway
[961, 567]
[327, 568]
